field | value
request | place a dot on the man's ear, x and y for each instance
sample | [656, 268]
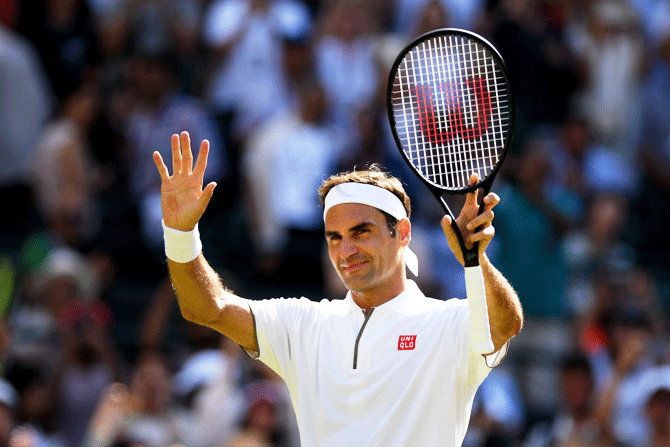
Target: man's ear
[404, 230]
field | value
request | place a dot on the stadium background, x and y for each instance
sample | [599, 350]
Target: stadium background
[92, 347]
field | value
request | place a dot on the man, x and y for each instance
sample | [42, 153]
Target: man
[385, 366]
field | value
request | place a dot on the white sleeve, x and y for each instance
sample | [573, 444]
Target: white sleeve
[474, 366]
[279, 324]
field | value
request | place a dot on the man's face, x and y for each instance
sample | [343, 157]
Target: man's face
[362, 250]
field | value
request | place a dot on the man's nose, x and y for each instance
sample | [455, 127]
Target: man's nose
[347, 248]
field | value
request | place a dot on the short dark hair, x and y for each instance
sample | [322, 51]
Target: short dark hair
[577, 362]
[371, 176]
[391, 222]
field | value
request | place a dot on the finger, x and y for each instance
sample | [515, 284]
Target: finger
[207, 194]
[448, 228]
[452, 237]
[484, 235]
[176, 154]
[471, 197]
[446, 223]
[187, 155]
[490, 201]
[483, 220]
[201, 161]
[162, 169]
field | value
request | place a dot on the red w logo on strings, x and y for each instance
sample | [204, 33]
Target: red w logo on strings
[455, 122]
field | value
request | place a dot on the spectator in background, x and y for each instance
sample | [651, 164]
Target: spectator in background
[581, 167]
[172, 24]
[567, 148]
[595, 248]
[267, 417]
[432, 15]
[527, 229]
[657, 411]
[107, 423]
[91, 361]
[152, 421]
[208, 386]
[517, 24]
[610, 49]
[65, 37]
[36, 414]
[158, 109]
[285, 216]
[36, 339]
[576, 423]
[345, 61]
[259, 427]
[652, 205]
[298, 68]
[497, 413]
[244, 38]
[631, 372]
[62, 357]
[460, 14]
[65, 176]
[38, 350]
[90, 366]
[139, 414]
[25, 107]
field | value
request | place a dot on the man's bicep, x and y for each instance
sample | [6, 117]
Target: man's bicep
[237, 322]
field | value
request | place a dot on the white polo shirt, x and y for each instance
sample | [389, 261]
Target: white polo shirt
[403, 376]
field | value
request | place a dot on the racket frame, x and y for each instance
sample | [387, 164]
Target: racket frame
[470, 256]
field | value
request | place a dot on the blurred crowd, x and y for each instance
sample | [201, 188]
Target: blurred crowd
[93, 350]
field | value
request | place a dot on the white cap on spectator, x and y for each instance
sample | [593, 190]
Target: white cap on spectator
[66, 263]
[200, 370]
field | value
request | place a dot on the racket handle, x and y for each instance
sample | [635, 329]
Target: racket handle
[479, 313]
[470, 256]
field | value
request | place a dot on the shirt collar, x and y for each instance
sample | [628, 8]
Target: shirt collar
[400, 304]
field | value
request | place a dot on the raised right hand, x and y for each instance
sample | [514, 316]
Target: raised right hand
[182, 198]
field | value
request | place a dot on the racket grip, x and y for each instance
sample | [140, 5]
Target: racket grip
[479, 313]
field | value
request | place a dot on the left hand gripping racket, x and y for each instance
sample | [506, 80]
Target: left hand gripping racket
[450, 108]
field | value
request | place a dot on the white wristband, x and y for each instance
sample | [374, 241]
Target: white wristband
[181, 246]
[479, 313]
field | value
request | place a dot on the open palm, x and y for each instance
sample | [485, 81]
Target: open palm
[183, 199]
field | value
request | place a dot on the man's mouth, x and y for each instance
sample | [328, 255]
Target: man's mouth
[354, 265]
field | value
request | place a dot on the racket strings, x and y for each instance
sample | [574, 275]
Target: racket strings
[451, 107]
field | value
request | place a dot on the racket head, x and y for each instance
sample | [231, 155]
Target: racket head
[451, 110]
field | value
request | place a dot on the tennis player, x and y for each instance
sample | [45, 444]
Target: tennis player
[385, 366]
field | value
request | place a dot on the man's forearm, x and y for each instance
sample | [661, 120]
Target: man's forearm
[504, 308]
[205, 301]
[199, 290]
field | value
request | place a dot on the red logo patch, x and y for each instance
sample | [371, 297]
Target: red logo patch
[406, 342]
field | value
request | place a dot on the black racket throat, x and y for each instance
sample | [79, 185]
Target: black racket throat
[470, 255]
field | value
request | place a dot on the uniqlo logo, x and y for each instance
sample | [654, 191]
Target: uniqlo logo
[406, 342]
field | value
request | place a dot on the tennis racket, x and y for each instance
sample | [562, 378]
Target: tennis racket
[450, 108]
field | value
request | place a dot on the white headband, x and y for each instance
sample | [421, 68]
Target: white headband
[376, 197]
